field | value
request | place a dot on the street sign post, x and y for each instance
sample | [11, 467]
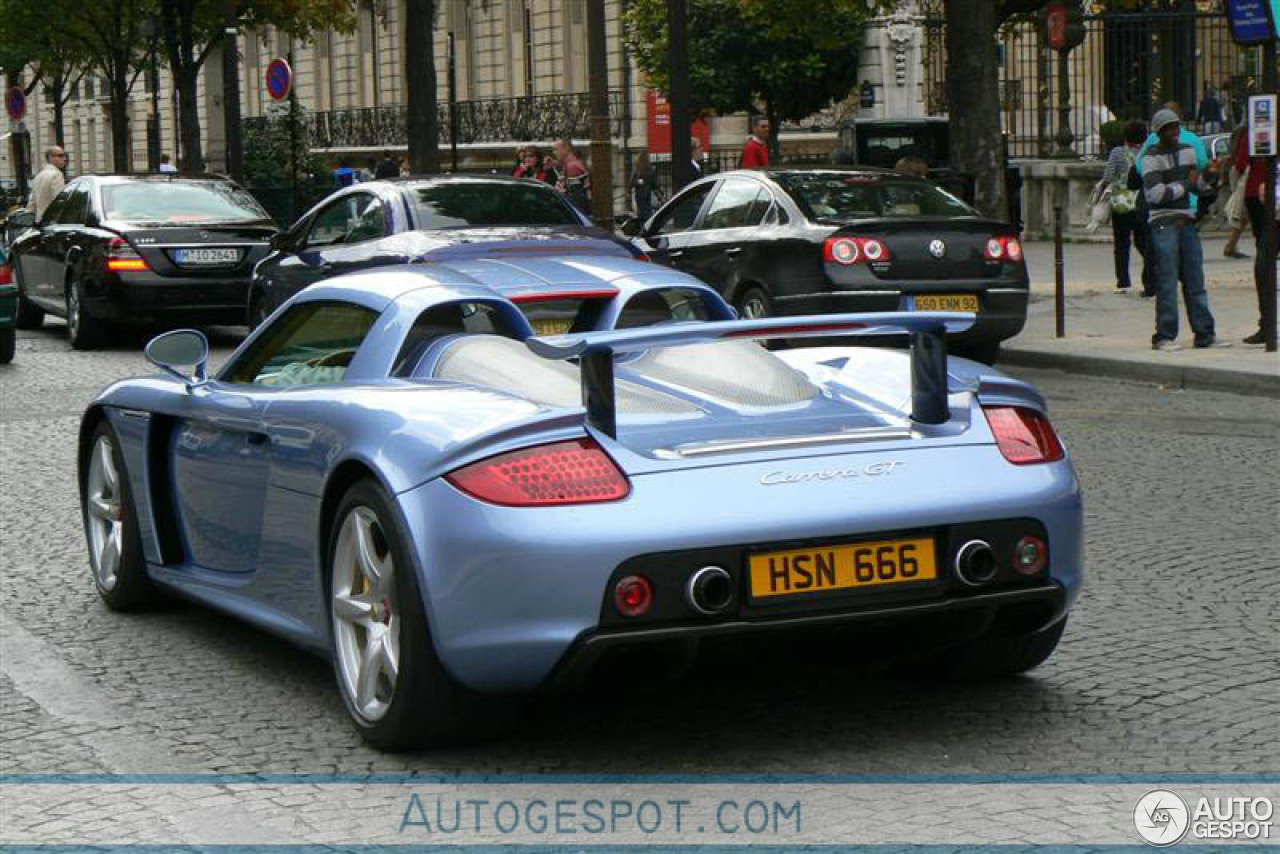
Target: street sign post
[15, 103]
[279, 79]
[1262, 125]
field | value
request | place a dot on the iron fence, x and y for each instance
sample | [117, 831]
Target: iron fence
[534, 117]
[1128, 64]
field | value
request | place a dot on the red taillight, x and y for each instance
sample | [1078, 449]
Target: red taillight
[123, 258]
[1023, 435]
[6, 274]
[851, 250]
[1002, 249]
[573, 472]
[633, 595]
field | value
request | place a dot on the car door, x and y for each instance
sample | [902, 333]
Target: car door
[62, 241]
[222, 448]
[31, 253]
[724, 239]
[312, 258]
[665, 239]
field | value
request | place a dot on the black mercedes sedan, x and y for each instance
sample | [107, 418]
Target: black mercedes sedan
[793, 242]
[416, 219]
[138, 250]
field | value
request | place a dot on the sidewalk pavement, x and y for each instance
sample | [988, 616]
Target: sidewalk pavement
[1109, 333]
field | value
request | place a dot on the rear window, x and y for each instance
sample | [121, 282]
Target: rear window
[849, 197]
[480, 203]
[178, 202]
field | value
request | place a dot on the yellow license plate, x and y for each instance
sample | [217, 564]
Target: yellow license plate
[957, 302]
[842, 567]
[551, 325]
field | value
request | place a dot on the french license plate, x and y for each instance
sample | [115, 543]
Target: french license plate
[842, 567]
[206, 257]
[947, 302]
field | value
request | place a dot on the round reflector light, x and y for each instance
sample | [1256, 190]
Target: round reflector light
[873, 249]
[995, 248]
[1030, 555]
[844, 251]
[633, 595]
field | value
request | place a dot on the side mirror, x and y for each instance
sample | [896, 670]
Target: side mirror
[182, 353]
[21, 219]
[280, 241]
[628, 225]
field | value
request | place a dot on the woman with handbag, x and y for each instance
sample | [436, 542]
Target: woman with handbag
[1124, 201]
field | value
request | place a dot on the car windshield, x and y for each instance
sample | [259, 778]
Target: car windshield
[479, 203]
[178, 202]
[860, 196]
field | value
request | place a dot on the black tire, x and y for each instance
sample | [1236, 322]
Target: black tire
[1002, 655]
[131, 589]
[753, 302]
[83, 331]
[426, 706]
[987, 352]
[8, 344]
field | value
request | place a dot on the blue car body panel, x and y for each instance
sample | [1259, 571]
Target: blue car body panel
[231, 481]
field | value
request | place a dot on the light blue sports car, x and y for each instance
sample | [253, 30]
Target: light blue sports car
[395, 472]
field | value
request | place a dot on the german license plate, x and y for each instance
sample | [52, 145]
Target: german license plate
[206, 257]
[947, 302]
[842, 567]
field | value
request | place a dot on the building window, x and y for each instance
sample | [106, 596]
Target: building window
[527, 23]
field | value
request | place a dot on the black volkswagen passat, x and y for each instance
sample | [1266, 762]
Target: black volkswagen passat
[792, 242]
[138, 250]
[415, 219]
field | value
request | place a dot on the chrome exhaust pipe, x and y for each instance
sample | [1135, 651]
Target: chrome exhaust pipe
[709, 591]
[975, 563]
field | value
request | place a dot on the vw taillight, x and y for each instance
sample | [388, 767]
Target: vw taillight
[1002, 249]
[572, 472]
[123, 258]
[1023, 435]
[851, 250]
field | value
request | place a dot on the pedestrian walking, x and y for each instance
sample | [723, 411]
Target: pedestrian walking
[49, 181]
[1233, 212]
[755, 154]
[1124, 201]
[1170, 178]
[1210, 114]
[388, 167]
[345, 175]
[575, 180]
[642, 184]
[166, 167]
[696, 156]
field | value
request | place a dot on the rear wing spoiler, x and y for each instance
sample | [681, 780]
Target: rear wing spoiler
[927, 332]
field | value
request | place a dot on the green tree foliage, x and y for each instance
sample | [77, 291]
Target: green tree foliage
[793, 56]
[269, 148]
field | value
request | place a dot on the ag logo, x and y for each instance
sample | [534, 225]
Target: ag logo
[1161, 817]
[937, 248]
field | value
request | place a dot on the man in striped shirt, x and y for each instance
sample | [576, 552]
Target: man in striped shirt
[1170, 177]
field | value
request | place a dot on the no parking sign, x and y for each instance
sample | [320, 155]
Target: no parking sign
[279, 79]
[15, 103]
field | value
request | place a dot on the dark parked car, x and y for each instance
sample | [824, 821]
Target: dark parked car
[154, 249]
[824, 241]
[406, 220]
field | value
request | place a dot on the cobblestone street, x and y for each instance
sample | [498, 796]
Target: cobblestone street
[1168, 664]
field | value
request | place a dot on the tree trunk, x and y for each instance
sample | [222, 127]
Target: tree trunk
[189, 122]
[179, 42]
[974, 101]
[59, 107]
[120, 112]
[419, 43]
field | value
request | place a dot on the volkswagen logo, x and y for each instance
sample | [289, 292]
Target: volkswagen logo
[937, 248]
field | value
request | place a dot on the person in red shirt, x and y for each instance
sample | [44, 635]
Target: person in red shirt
[1253, 173]
[755, 154]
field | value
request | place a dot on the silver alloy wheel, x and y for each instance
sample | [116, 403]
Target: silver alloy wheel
[73, 312]
[104, 502]
[754, 307]
[366, 614]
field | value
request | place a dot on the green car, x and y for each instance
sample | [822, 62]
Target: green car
[8, 309]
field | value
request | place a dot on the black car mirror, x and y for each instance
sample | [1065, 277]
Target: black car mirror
[281, 242]
[628, 225]
[21, 219]
[182, 353]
